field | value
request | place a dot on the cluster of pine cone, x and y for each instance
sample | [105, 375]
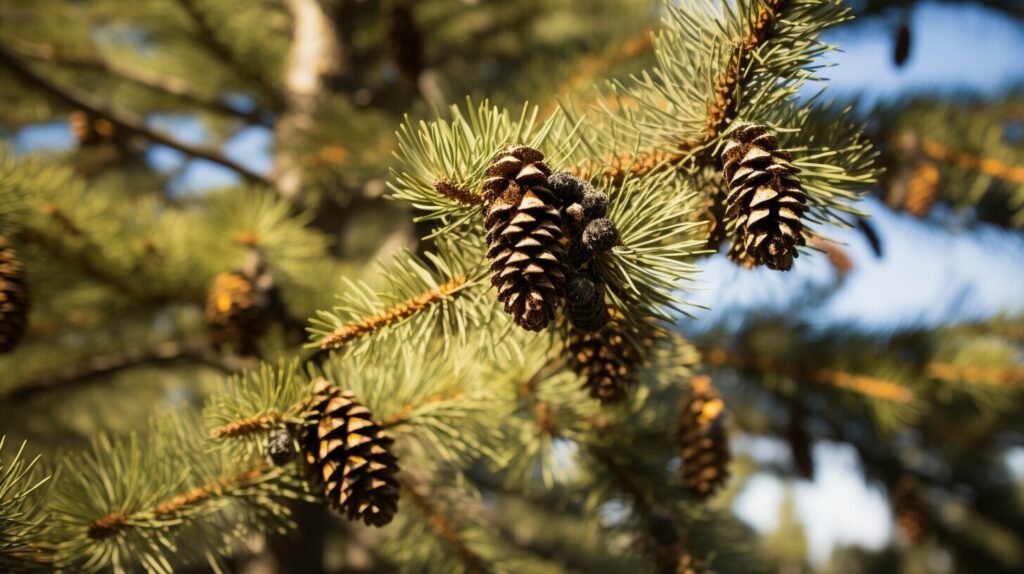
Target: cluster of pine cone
[543, 230]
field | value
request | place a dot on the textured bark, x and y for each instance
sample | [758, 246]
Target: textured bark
[314, 60]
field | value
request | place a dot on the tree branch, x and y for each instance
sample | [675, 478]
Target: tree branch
[208, 36]
[403, 310]
[442, 526]
[125, 120]
[99, 366]
[988, 166]
[866, 385]
[172, 86]
[114, 522]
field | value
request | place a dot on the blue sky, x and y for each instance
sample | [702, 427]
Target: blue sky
[927, 275]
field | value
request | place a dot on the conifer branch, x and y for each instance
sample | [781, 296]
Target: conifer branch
[404, 414]
[722, 107]
[443, 527]
[1011, 376]
[116, 521]
[616, 167]
[594, 66]
[863, 384]
[123, 119]
[457, 193]
[988, 166]
[721, 110]
[248, 426]
[169, 352]
[209, 37]
[388, 317]
[179, 88]
[91, 259]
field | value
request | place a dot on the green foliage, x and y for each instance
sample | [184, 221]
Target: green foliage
[21, 512]
[507, 465]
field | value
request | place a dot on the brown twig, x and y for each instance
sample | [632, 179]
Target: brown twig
[721, 109]
[247, 426]
[406, 411]
[123, 119]
[456, 193]
[116, 521]
[443, 527]
[593, 66]
[988, 166]
[404, 310]
[1012, 376]
[871, 386]
[103, 365]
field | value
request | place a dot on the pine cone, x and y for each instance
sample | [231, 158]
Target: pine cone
[765, 198]
[352, 456]
[607, 359]
[585, 304]
[524, 233]
[14, 297]
[240, 307]
[910, 510]
[704, 446]
[234, 317]
[405, 43]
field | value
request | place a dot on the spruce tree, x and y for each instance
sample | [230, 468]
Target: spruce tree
[442, 331]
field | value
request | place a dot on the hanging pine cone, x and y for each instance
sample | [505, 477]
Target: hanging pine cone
[405, 43]
[240, 306]
[14, 297]
[234, 317]
[800, 444]
[704, 446]
[524, 233]
[607, 359]
[352, 456]
[910, 510]
[765, 198]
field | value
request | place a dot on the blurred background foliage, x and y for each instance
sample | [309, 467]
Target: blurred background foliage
[151, 144]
